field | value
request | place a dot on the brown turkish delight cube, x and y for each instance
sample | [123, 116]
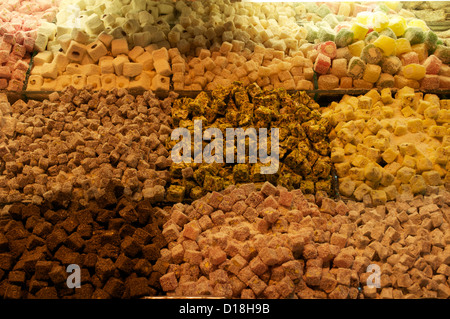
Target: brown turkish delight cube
[179, 218]
[143, 267]
[104, 268]
[124, 264]
[138, 287]
[130, 246]
[312, 276]
[254, 199]
[258, 266]
[218, 217]
[171, 233]
[192, 230]
[215, 199]
[257, 285]
[114, 287]
[217, 255]
[177, 253]
[193, 257]
[58, 275]
[269, 256]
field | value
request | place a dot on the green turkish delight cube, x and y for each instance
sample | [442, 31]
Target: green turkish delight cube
[176, 170]
[241, 98]
[303, 113]
[304, 168]
[263, 114]
[431, 40]
[414, 35]
[241, 173]
[304, 146]
[232, 117]
[255, 173]
[324, 185]
[253, 89]
[372, 36]
[307, 187]
[322, 147]
[175, 193]
[326, 34]
[315, 131]
[312, 157]
[285, 180]
[297, 130]
[294, 159]
[210, 115]
[389, 33]
[179, 115]
[322, 168]
[344, 37]
[196, 193]
[245, 119]
[212, 183]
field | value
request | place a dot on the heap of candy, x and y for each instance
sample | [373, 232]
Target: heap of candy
[79, 145]
[377, 49]
[116, 247]
[385, 147]
[304, 161]
[215, 43]
[271, 243]
[19, 24]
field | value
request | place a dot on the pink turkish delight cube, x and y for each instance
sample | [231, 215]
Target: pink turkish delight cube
[217, 255]
[432, 64]
[21, 65]
[430, 82]
[6, 28]
[5, 15]
[20, 37]
[322, 63]
[19, 75]
[285, 198]
[5, 46]
[409, 57]
[31, 34]
[17, 25]
[4, 56]
[5, 72]
[9, 38]
[360, 8]
[29, 25]
[19, 50]
[15, 85]
[28, 43]
[192, 230]
[328, 48]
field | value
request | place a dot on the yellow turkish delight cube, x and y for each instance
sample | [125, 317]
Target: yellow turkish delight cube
[389, 155]
[414, 125]
[386, 44]
[437, 131]
[407, 111]
[356, 48]
[359, 31]
[402, 45]
[414, 71]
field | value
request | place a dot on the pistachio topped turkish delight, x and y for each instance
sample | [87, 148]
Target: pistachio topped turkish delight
[250, 112]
